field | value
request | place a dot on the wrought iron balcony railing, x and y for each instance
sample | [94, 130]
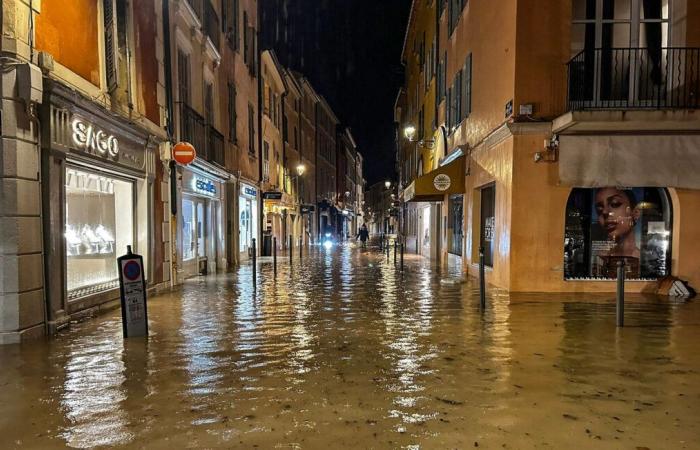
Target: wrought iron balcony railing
[208, 142]
[635, 78]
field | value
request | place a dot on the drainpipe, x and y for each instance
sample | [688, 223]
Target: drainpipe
[261, 203]
[172, 180]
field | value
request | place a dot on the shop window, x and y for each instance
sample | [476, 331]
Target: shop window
[608, 225]
[189, 230]
[95, 233]
[488, 223]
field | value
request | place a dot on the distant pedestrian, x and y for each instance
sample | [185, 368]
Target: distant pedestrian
[363, 235]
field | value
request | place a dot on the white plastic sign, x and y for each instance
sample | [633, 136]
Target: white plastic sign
[132, 285]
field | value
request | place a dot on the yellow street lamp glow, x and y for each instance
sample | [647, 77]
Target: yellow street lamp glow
[387, 184]
[301, 169]
[410, 132]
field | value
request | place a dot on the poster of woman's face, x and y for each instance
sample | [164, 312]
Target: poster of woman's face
[617, 213]
[609, 225]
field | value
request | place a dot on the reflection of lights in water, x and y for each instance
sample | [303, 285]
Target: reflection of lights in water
[93, 393]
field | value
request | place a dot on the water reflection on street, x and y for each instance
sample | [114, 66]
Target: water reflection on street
[343, 350]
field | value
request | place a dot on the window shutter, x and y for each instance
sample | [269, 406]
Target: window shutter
[110, 26]
[468, 86]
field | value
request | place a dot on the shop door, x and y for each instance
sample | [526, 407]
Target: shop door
[488, 223]
[245, 224]
[455, 224]
[195, 234]
[424, 222]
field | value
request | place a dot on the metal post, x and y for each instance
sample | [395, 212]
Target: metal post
[396, 247]
[301, 249]
[482, 279]
[274, 254]
[255, 264]
[620, 309]
[291, 249]
[402, 248]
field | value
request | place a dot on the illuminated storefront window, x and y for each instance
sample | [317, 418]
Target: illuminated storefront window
[99, 225]
[607, 225]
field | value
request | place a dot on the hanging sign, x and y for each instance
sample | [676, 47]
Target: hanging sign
[132, 286]
[184, 153]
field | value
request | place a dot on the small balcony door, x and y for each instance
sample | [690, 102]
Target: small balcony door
[620, 50]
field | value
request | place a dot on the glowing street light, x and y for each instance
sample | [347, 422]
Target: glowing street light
[410, 132]
[387, 183]
[301, 169]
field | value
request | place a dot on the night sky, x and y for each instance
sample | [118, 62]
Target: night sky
[351, 52]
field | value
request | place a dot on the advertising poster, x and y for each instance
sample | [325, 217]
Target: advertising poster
[611, 224]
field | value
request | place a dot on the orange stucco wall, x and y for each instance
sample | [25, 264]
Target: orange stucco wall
[493, 165]
[543, 49]
[686, 235]
[68, 30]
[487, 32]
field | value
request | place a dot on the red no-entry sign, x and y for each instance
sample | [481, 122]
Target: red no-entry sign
[184, 153]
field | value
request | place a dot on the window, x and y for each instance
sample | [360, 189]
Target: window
[467, 88]
[230, 10]
[266, 161]
[99, 225]
[251, 129]
[455, 8]
[607, 225]
[183, 77]
[232, 115]
[209, 103]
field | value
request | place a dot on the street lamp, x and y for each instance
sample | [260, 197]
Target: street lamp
[387, 183]
[301, 169]
[410, 132]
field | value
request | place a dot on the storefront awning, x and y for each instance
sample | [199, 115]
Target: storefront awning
[640, 160]
[433, 186]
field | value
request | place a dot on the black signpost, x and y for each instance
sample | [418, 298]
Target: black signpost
[132, 286]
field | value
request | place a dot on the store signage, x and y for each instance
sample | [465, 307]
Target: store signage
[272, 195]
[248, 190]
[132, 286]
[442, 182]
[307, 209]
[204, 186]
[91, 138]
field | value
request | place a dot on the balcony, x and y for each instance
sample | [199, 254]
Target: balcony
[208, 142]
[635, 79]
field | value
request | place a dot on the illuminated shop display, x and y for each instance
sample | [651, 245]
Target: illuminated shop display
[611, 224]
[99, 224]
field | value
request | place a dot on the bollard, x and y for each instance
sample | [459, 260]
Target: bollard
[291, 249]
[301, 249]
[482, 279]
[274, 255]
[396, 246]
[255, 264]
[620, 307]
[402, 247]
[381, 241]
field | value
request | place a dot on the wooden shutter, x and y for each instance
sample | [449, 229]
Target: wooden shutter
[110, 26]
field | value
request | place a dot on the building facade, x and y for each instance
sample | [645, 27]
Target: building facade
[326, 189]
[82, 139]
[548, 114]
[307, 146]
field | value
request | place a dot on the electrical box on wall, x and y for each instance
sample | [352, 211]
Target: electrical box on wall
[29, 83]
[526, 109]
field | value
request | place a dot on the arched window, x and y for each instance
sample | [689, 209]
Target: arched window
[607, 225]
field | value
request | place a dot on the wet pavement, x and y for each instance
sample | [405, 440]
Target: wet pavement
[343, 351]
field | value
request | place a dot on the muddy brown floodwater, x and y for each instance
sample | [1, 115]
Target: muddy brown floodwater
[343, 351]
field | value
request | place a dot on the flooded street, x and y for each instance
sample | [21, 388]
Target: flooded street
[344, 351]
